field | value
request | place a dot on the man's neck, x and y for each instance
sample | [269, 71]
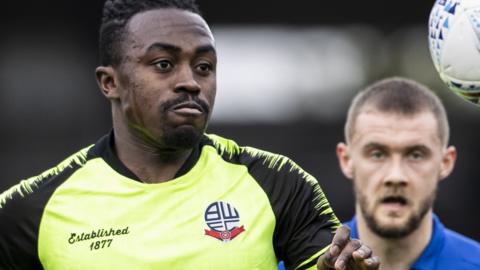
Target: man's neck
[149, 164]
[397, 254]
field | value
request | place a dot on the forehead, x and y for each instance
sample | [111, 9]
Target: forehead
[396, 130]
[168, 25]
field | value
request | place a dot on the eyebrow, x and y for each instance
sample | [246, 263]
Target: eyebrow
[206, 49]
[374, 145]
[163, 47]
[175, 49]
[420, 147]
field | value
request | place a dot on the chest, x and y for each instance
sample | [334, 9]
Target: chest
[216, 223]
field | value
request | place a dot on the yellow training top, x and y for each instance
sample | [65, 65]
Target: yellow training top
[229, 207]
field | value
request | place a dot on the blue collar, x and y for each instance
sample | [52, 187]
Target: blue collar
[427, 259]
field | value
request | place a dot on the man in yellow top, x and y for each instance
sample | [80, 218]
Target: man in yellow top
[159, 193]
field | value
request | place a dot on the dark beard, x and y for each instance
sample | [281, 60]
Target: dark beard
[395, 232]
[174, 139]
[182, 138]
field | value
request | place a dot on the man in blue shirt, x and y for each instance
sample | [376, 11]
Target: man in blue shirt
[396, 152]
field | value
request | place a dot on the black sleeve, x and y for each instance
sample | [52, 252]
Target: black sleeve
[21, 210]
[305, 222]
[19, 218]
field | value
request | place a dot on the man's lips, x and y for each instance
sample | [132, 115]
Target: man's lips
[188, 108]
[394, 200]
[394, 203]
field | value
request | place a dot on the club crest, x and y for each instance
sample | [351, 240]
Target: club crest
[223, 220]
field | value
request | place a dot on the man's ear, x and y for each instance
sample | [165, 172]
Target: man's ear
[344, 160]
[107, 81]
[448, 162]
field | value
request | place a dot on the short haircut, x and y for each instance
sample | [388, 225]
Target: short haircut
[400, 96]
[117, 14]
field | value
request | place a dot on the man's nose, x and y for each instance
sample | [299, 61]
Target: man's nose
[396, 173]
[186, 80]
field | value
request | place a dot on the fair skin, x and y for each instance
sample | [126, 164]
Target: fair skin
[395, 162]
[164, 90]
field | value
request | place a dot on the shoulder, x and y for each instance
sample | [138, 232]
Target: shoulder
[21, 210]
[283, 180]
[462, 245]
[30, 192]
[460, 251]
[280, 177]
[254, 158]
[277, 174]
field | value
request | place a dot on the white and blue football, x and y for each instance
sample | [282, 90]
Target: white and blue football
[454, 40]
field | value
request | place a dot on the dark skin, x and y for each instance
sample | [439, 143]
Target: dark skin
[165, 88]
[347, 253]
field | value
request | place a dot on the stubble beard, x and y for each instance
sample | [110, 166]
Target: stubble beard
[189, 135]
[173, 139]
[394, 232]
[182, 137]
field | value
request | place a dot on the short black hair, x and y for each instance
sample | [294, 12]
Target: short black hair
[401, 96]
[117, 14]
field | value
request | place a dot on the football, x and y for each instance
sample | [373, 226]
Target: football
[454, 41]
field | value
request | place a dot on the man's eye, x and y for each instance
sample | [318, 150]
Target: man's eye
[204, 68]
[415, 155]
[377, 155]
[163, 65]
